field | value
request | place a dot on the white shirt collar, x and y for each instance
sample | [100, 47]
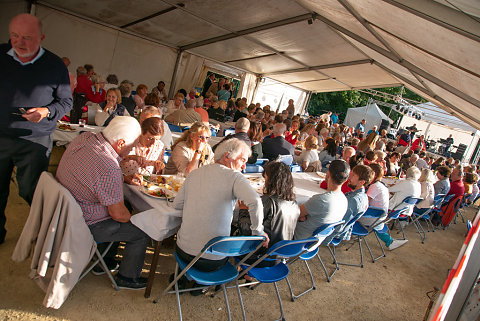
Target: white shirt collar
[12, 53]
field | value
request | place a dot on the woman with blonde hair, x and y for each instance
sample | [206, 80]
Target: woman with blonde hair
[368, 143]
[111, 107]
[427, 178]
[310, 154]
[308, 130]
[175, 104]
[190, 151]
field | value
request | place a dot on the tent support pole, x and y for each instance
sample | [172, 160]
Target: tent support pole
[306, 103]
[255, 90]
[173, 82]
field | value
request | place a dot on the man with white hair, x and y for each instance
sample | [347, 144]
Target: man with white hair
[409, 187]
[90, 170]
[185, 117]
[34, 93]
[241, 132]
[201, 111]
[348, 152]
[207, 199]
[277, 144]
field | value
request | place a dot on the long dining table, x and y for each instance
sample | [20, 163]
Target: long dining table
[65, 137]
[157, 218]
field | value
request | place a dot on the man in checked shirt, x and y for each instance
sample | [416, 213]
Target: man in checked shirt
[90, 170]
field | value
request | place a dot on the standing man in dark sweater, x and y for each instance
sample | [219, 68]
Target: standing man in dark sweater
[34, 94]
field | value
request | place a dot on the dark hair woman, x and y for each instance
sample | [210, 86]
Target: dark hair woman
[280, 210]
[328, 154]
[255, 134]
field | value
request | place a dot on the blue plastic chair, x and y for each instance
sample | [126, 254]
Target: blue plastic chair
[410, 201]
[418, 217]
[214, 132]
[222, 246]
[286, 159]
[376, 213]
[255, 168]
[166, 155]
[321, 234]
[174, 128]
[278, 272]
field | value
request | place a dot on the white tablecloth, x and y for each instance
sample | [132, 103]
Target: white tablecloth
[154, 216]
[62, 137]
[159, 220]
[305, 185]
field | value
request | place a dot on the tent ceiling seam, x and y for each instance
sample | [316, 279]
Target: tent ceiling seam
[106, 25]
[427, 52]
[156, 14]
[456, 110]
[328, 66]
[408, 65]
[433, 20]
[367, 26]
[239, 33]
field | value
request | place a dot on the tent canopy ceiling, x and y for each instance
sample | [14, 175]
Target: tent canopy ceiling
[430, 46]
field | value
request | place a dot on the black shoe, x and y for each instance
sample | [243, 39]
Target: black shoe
[131, 283]
[111, 264]
[2, 235]
[196, 292]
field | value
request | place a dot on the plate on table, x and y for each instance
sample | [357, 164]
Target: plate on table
[158, 192]
[66, 128]
[322, 175]
[257, 183]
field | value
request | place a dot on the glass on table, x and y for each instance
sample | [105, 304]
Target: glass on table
[81, 123]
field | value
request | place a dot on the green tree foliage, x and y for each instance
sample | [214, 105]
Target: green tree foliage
[340, 101]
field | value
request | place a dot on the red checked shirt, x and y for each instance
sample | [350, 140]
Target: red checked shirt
[90, 170]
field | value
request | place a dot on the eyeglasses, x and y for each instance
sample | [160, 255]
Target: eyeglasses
[203, 137]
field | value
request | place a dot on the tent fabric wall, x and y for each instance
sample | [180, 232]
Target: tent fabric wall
[108, 50]
[371, 113]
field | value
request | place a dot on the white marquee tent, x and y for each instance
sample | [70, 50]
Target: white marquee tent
[371, 113]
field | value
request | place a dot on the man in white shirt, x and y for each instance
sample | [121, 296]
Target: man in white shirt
[409, 187]
[207, 199]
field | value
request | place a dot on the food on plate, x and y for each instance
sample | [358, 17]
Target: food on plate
[65, 127]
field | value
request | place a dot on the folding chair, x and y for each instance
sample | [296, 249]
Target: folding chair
[463, 204]
[359, 232]
[409, 201]
[257, 167]
[278, 272]
[222, 246]
[376, 214]
[321, 234]
[437, 201]
[98, 257]
[174, 128]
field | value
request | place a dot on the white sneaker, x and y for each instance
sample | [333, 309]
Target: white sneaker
[396, 244]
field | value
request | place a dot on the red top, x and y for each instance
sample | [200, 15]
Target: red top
[84, 86]
[345, 188]
[289, 138]
[415, 145]
[457, 188]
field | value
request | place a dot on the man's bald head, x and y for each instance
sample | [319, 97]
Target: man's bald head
[26, 36]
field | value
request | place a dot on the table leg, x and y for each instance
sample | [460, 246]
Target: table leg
[153, 269]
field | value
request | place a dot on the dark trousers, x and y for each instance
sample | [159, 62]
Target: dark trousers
[202, 264]
[31, 158]
[136, 244]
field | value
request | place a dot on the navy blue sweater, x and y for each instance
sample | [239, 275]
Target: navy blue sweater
[45, 83]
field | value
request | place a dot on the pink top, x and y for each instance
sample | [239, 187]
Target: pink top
[202, 113]
[90, 170]
[151, 154]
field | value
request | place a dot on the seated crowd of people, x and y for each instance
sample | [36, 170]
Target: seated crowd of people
[354, 161]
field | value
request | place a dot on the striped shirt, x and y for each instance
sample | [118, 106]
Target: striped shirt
[90, 170]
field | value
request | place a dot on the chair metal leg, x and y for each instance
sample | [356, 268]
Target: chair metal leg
[177, 294]
[282, 317]
[99, 260]
[244, 315]
[361, 255]
[368, 248]
[312, 287]
[381, 247]
[226, 302]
